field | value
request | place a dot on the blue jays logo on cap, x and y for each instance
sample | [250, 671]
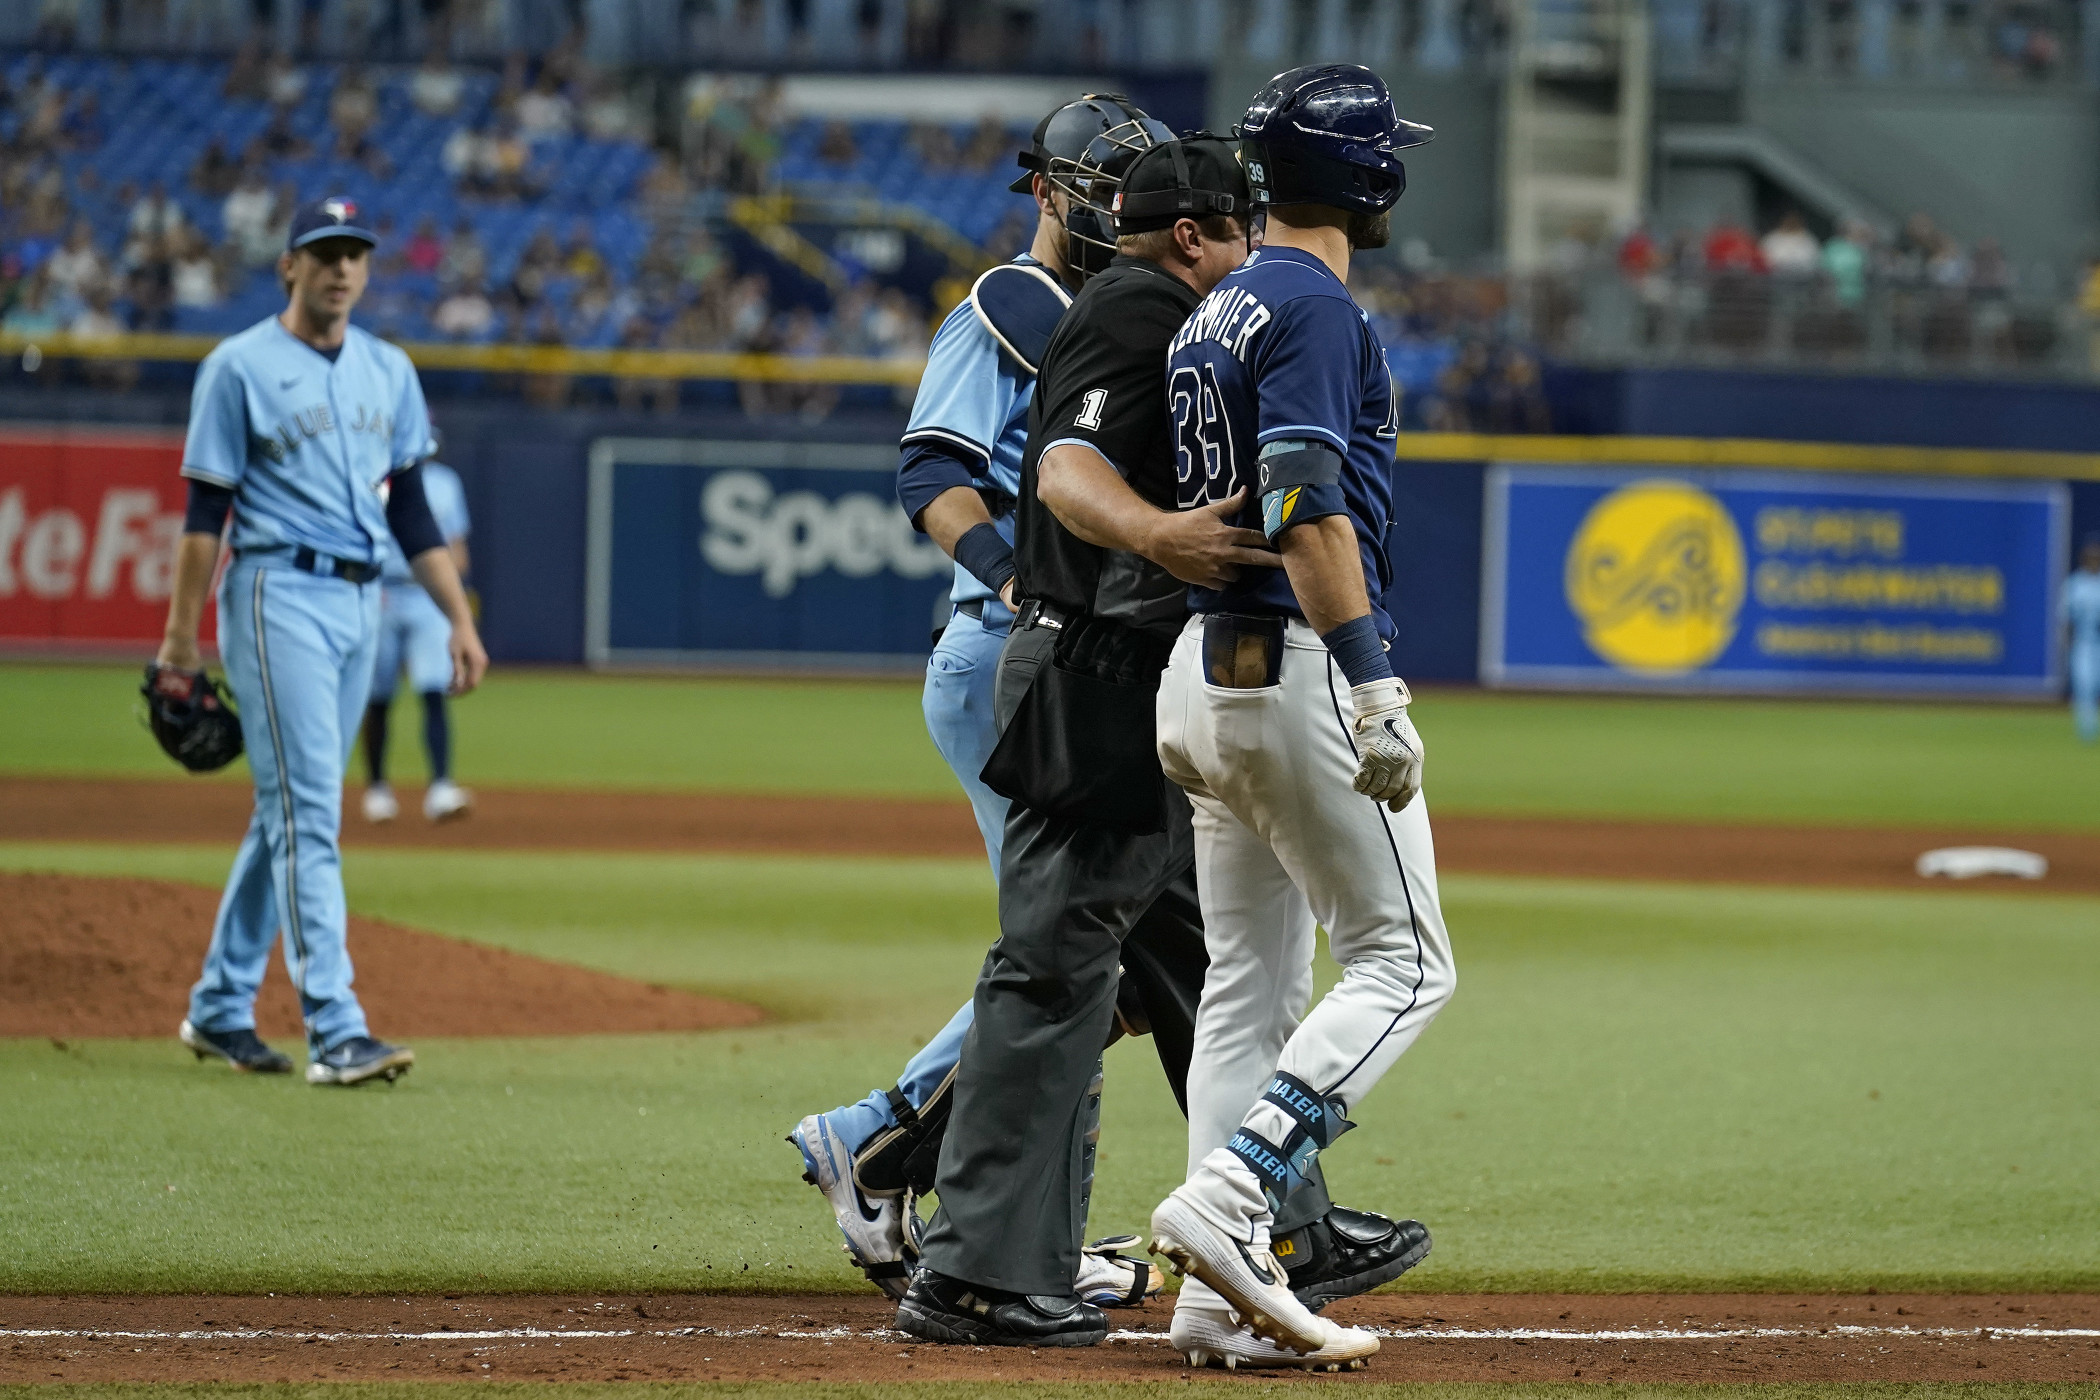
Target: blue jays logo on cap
[333, 217]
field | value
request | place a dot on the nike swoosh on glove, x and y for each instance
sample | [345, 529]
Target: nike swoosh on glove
[1388, 751]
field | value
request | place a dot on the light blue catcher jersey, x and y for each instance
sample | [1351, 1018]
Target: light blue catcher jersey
[974, 396]
[2081, 608]
[306, 443]
[448, 506]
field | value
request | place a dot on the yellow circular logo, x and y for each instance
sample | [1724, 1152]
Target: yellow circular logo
[1656, 575]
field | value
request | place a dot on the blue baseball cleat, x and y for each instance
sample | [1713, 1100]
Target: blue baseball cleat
[357, 1059]
[242, 1049]
[881, 1231]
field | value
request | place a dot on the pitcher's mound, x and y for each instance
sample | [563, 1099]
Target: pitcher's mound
[83, 956]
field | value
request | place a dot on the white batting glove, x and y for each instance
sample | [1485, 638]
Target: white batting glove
[1389, 752]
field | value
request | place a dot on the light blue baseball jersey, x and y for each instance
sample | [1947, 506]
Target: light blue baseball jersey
[304, 442]
[975, 396]
[2081, 608]
[448, 506]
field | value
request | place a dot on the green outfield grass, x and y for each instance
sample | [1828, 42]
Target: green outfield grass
[1637, 1087]
[976, 1390]
[1857, 763]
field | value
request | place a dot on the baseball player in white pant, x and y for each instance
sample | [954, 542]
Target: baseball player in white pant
[1281, 717]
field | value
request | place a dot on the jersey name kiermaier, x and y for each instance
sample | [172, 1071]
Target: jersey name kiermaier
[1279, 351]
[1100, 388]
[304, 441]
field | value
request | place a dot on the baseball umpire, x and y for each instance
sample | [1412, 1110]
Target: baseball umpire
[295, 426]
[1098, 860]
[1280, 714]
[957, 479]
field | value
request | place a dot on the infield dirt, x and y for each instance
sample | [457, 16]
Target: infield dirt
[54, 809]
[1514, 1337]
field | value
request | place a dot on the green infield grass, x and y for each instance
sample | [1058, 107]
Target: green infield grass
[1637, 1087]
[1845, 763]
[996, 1390]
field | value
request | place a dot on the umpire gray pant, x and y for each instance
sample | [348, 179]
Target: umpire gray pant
[1012, 1203]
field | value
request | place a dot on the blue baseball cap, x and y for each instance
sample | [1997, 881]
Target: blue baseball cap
[333, 217]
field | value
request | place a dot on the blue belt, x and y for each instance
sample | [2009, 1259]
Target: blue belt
[322, 565]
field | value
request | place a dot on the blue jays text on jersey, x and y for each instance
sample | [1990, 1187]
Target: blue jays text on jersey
[305, 442]
[1279, 352]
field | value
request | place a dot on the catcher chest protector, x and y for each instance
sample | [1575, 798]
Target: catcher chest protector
[190, 718]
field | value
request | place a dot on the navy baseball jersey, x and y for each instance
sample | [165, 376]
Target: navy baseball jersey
[1279, 352]
[304, 440]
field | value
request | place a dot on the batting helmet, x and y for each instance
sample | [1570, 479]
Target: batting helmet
[1083, 148]
[1326, 134]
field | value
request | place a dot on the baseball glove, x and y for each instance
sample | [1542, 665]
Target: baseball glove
[190, 718]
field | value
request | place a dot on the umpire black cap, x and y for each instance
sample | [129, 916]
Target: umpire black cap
[1192, 178]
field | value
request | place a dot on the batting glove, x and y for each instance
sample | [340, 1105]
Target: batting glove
[1389, 752]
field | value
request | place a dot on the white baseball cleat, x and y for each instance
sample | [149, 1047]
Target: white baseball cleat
[1110, 1279]
[446, 800]
[1209, 1337]
[1246, 1276]
[879, 1238]
[380, 804]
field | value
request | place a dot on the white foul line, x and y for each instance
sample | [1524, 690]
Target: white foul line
[1435, 1334]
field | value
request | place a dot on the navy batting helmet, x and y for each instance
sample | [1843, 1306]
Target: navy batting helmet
[1326, 134]
[1083, 148]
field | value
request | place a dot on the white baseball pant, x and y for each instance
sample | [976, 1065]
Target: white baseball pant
[1283, 839]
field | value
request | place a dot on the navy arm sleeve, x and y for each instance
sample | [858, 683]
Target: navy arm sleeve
[926, 470]
[408, 514]
[209, 505]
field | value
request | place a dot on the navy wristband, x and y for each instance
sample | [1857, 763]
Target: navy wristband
[985, 556]
[1356, 648]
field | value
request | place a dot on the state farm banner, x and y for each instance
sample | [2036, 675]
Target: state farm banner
[88, 524]
[1722, 579]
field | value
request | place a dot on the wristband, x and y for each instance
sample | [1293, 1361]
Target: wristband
[985, 556]
[1356, 648]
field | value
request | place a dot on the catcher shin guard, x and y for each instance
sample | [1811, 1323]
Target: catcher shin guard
[190, 718]
[906, 1157]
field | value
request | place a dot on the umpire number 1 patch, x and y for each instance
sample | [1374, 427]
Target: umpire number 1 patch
[1090, 408]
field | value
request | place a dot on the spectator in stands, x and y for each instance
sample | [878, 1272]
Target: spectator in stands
[438, 88]
[1990, 272]
[215, 172]
[79, 265]
[284, 82]
[606, 114]
[836, 146]
[990, 147]
[630, 391]
[466, 313]
[32, 313]
[466, 258]
[354, 106]
[548, 389]
[896, 329]
[1730, 248]
[544, 112]
[507, 164]
[279, 142]
[465, 156]
[194, 278]
[245, 76]
[1845, 261]
[1948, 266]
[1912, 251]
[354, 147]
[248, 216]
[425, 250]
[665, 189]
[581, 258]
[538, 267]
[1790, 250]
[95, 320]
[155, 214]
[44, 128]
[750, 313]
[150, 285]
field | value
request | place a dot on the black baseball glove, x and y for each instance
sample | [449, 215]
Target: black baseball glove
[190, 718]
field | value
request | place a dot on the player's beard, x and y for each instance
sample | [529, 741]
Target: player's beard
[1370, 230]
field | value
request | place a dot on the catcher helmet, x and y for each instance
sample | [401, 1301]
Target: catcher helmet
[1083, 148]
[1326, 134]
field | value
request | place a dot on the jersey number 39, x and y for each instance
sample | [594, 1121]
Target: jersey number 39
[1204, 469]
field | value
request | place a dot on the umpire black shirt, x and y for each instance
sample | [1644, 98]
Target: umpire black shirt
[1103, 383]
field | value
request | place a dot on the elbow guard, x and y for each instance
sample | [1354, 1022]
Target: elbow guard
[1298, 481]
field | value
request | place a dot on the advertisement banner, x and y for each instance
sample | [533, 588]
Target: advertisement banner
[88, 524]
[1647, 578]
[787, 554]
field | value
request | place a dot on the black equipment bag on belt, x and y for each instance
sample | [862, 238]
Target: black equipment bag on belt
[1083, 743]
